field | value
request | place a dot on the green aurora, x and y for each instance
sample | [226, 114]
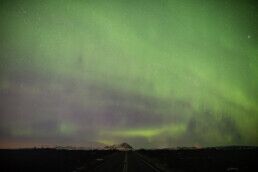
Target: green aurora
[154, 73]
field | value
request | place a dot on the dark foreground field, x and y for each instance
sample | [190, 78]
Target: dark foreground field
[182, 160]
[223, 159]
[50, 159]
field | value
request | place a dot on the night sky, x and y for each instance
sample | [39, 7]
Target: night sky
[153, 73]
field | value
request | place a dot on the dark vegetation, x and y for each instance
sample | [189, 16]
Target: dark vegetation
[224, 159]
[38, 160]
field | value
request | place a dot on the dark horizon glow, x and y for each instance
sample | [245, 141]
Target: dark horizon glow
[151, 73]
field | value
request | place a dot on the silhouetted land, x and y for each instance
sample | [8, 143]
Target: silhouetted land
[50, 159]
[222, 159]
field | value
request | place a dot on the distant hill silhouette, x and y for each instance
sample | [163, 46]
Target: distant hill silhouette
[122, 146]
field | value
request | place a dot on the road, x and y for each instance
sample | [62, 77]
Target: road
[128, 161]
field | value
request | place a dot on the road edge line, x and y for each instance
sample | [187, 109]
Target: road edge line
[125, 163]
[147, 163]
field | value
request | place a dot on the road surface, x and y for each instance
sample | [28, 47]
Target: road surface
[128, 161]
